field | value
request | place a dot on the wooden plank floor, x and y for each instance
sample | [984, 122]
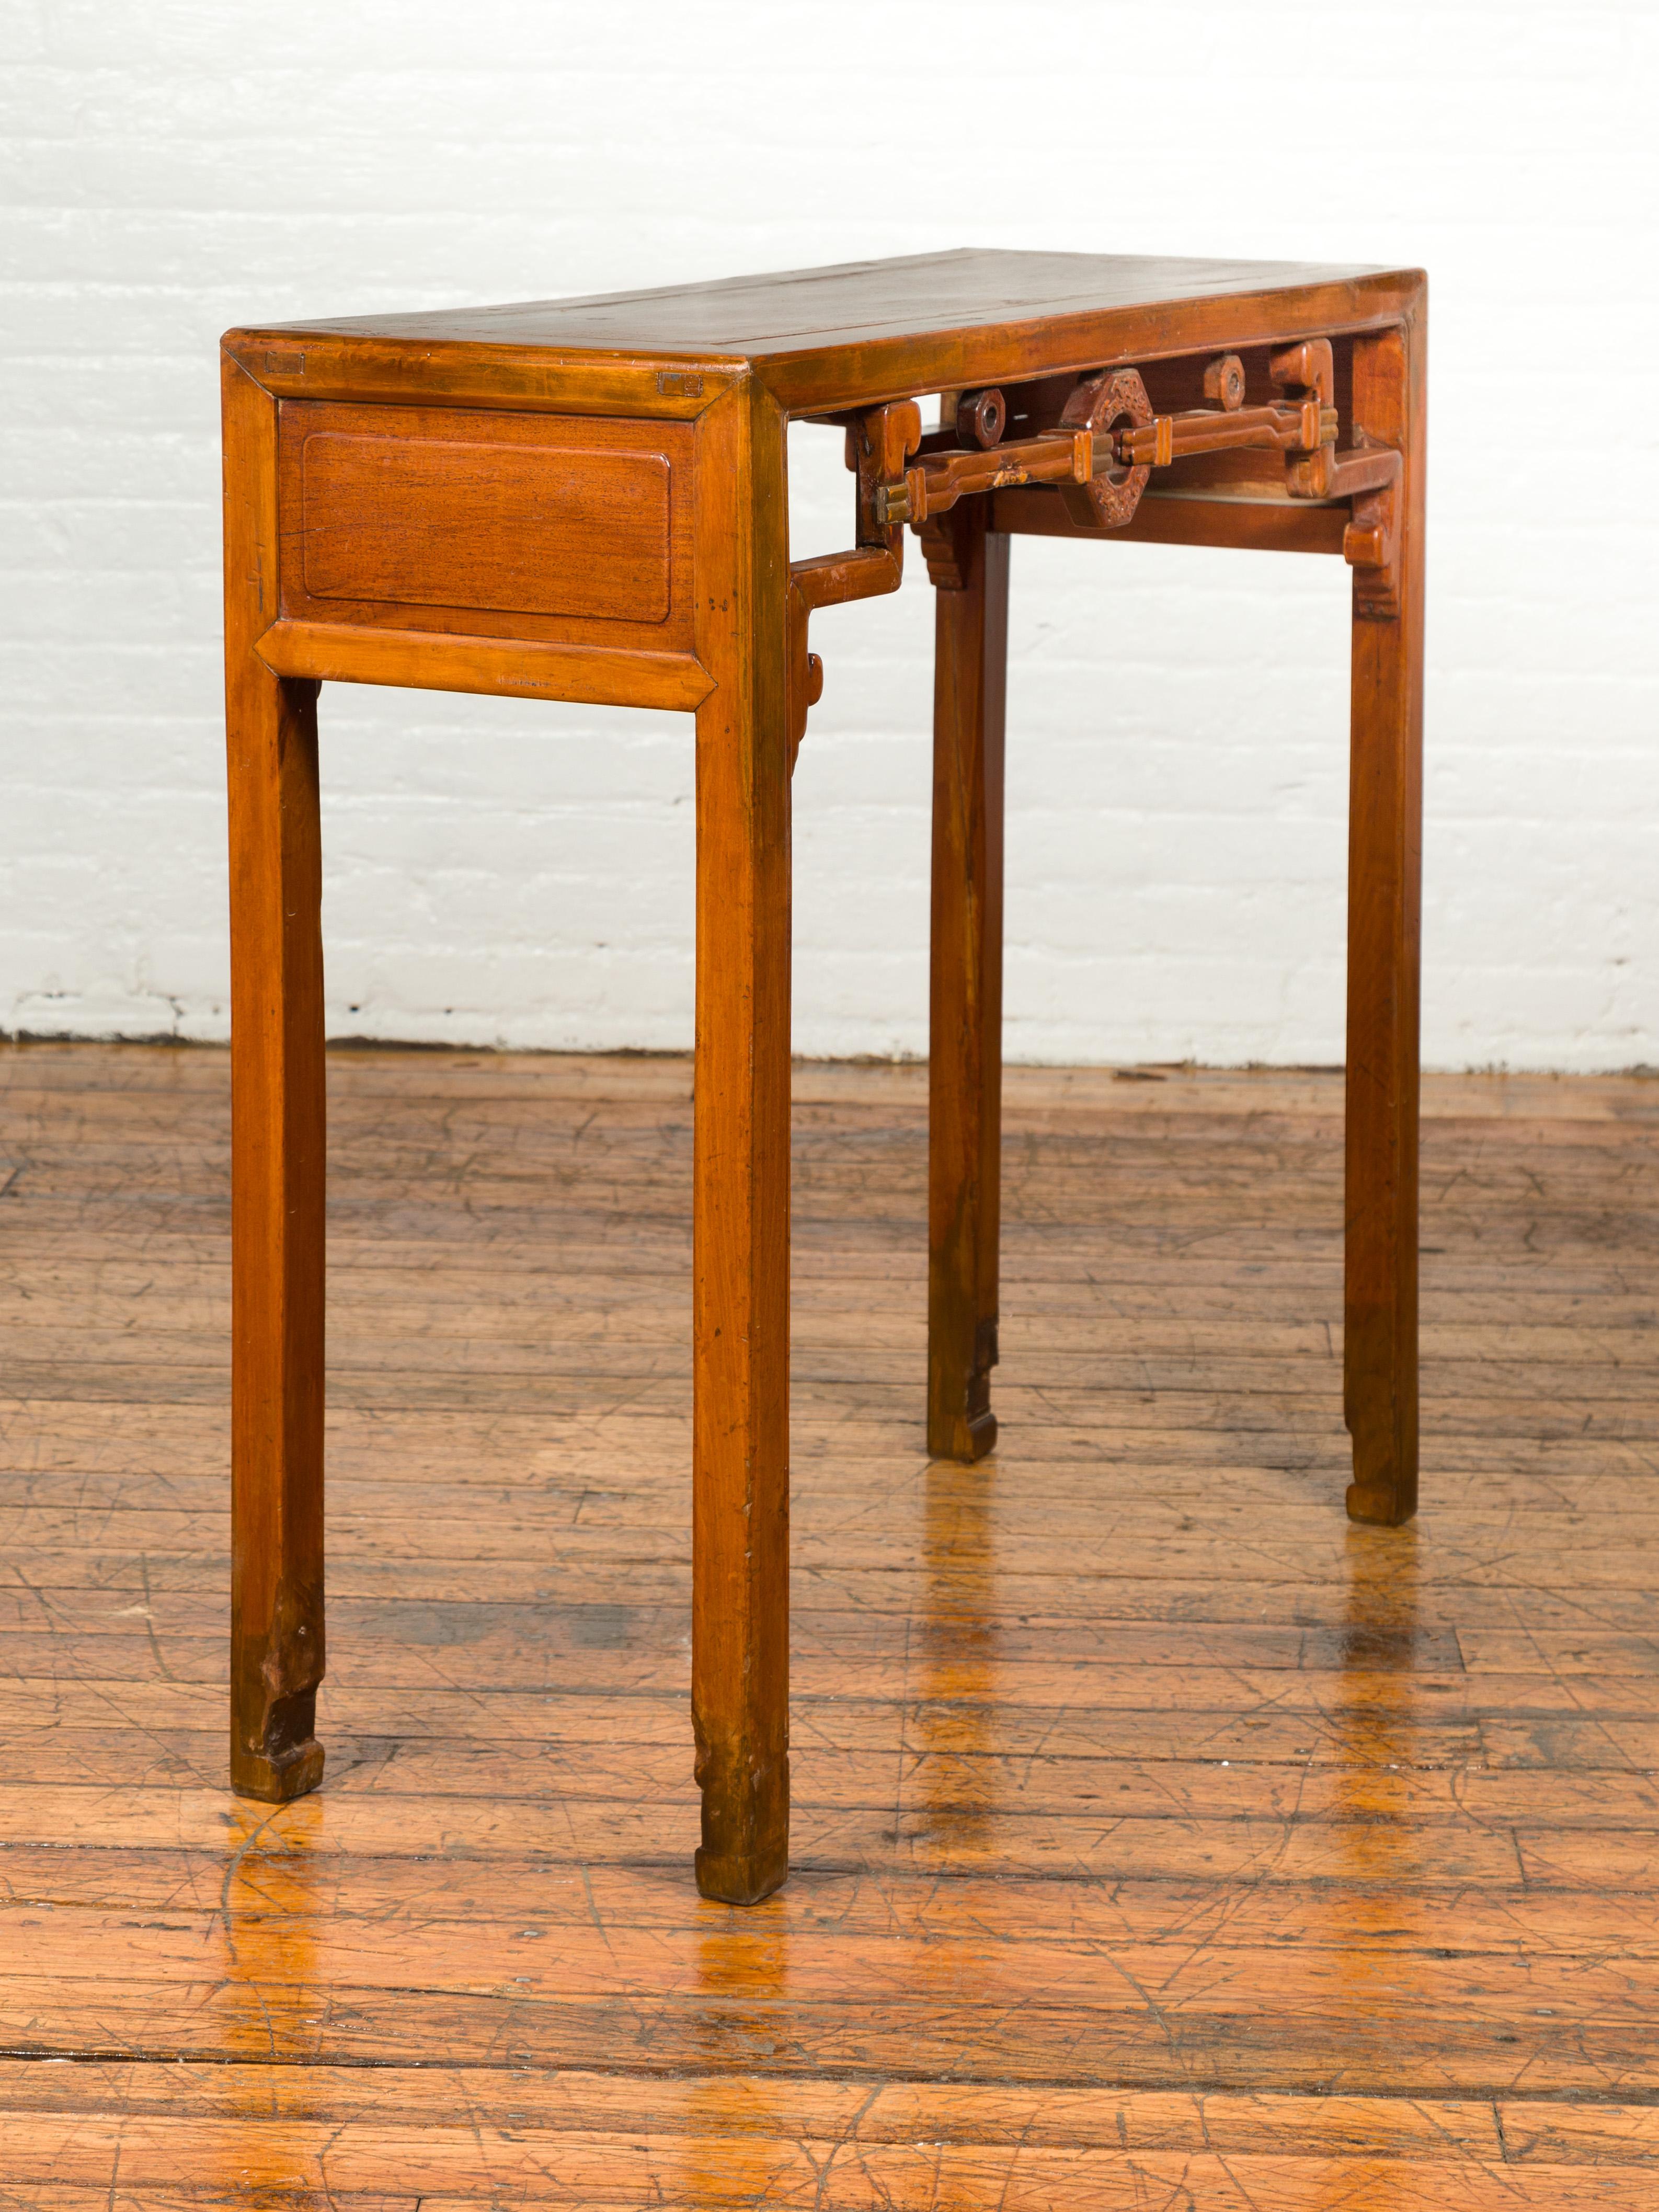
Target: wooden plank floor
[1160, 1840]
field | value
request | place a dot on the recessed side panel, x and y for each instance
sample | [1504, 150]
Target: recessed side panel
[517, 529]
[569, 528]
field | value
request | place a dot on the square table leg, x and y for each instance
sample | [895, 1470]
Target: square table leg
[276, 1150]
[1380, 1386]
[740, 1319]
[965, 997]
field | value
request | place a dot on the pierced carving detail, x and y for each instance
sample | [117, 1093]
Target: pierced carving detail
[1110, 496]
[1101, 453]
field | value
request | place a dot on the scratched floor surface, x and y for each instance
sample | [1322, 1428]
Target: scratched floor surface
[1161, 1841]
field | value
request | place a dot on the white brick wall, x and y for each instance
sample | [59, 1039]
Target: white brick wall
[500, 870]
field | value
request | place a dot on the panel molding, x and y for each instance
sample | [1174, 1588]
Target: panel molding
[568, 530]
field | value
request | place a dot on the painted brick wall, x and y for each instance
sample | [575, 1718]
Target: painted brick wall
[502, 871]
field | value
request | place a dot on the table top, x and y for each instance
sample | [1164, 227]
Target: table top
[795, 310]
[915, 322]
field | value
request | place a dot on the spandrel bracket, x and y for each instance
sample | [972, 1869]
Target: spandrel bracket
[878, 444]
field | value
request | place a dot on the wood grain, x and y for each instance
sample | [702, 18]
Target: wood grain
[481, 525]
[277, 1137]
[574, 529]
[1159, 1836]
[965, 989]
[818, 339]
[542, 543]
[1385, 902]
[514, 668]
[1182, 518]
[740, 1230]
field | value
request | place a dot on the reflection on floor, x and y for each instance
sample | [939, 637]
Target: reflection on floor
[1161, 1840]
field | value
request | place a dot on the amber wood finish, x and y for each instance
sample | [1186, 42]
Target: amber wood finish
[585, 500]
[1245, 523]
[1159, 1838]
[572, 529]
[965, 1006]
[478, 529]
[831, 579]
[512, 667]
[740, 1310]
[850, 336]
[1385, 869]
[877, 443]
[277, 1017]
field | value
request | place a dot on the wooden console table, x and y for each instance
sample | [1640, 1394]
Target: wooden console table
[585, 500]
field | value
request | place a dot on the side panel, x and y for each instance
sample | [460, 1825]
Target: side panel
[559, 529]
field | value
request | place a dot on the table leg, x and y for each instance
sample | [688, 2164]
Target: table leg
[1384, 933]
[965, 1009]
[277, 1151]
[740, 1322]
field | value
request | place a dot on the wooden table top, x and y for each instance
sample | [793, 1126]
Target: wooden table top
[842, 334]
[794, 310]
